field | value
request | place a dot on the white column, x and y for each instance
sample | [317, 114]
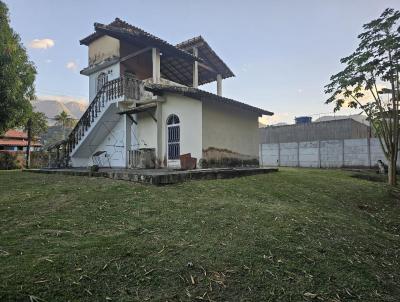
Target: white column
[155, 54]
[219, 85]
[195, 69]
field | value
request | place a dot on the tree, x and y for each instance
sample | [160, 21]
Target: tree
[39, 123]
[17, 76]
[372, 72]
[64, 120]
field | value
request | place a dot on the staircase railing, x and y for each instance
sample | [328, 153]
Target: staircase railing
[112, 90]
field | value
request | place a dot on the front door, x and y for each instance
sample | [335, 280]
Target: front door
[173, 140]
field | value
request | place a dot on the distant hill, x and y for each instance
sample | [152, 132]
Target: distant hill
[51, 108]
[76, 109]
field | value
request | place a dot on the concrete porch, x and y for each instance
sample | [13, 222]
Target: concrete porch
[159, 176]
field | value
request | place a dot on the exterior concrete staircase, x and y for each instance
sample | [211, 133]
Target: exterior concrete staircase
[104, 105]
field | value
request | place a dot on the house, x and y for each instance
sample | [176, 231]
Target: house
[145, 104]
[14, 141]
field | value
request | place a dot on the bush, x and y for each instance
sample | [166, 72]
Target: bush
[39, 159]
[8, 161]
[94, 168]
[228, 162]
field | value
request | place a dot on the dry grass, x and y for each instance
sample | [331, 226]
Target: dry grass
[296, 235]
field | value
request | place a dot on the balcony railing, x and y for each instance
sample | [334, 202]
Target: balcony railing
[121, 88]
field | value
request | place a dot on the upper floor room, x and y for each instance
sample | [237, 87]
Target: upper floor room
[146, 57]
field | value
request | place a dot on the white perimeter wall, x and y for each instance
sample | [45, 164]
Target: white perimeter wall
[323, 154]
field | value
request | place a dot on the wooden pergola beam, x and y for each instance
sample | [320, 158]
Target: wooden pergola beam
[134, 54]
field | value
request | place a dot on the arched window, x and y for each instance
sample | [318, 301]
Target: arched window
[102, 78]
[173, 133]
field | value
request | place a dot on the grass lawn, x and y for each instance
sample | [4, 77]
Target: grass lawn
[295, 235]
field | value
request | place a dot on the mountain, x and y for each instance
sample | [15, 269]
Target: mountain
[51, 108]
[76, 109]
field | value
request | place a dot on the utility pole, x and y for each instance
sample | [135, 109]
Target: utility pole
[28, 148]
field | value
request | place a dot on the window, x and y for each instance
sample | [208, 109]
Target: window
[101, 80]
[173, 133]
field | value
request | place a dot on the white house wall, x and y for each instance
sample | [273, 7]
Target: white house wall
[113, 72]
[103, 48]
[189, 112]
[230, 128]
[146, 134]
[114, 145]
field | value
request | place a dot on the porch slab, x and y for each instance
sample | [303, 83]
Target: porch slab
[159, 176]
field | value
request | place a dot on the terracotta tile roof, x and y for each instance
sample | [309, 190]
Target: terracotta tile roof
[176, 63]
[17, 142]
[203, 96]
[207, 54]
[15, 134]
[119, 27]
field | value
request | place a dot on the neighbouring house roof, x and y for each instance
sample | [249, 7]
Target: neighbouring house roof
[15, 134]
[203, 96]
[17, 142]
[176, 62]
[17, 138]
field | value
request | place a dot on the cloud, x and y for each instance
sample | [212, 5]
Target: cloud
[42, 43]
[48, 61]
[62, 98]
[71, 65]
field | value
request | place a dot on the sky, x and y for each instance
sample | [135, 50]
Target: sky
[282, 52]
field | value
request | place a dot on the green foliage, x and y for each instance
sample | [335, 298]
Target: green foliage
[39, 123]
[39, 159]
[17, 76]
[8, 161]
[65, 121]
[372, 72]
[375, 62]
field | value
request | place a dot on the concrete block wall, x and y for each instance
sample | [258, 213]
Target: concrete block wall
[269, 155]
[309, 154]
[376, 151]
[356, 153]
[288, 154]
[323, 154]
[331, 153]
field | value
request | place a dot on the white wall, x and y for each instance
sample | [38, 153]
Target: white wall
[226, 127]
[189, 112]
[308, 154]
[324, 154]
[112, 71]
[269, 154]
[331, 153]
[288, 154]
[146, 131]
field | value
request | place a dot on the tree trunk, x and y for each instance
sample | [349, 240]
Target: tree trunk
[28, 148]
[392, 170]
